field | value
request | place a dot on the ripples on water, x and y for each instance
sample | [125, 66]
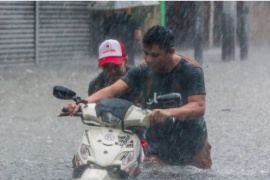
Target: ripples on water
[36, 144]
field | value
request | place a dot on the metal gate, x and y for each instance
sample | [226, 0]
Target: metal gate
[17, 37]
[38, 31]
[64, 30]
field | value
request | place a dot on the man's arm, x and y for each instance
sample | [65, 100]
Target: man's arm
[195, 108]
[136, 27]
[113, 90]
[116, 89]
[138, 35]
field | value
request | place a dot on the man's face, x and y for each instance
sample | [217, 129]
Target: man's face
[156, 58]
[114, 70]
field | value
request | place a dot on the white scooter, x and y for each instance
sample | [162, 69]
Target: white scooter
[109, 149]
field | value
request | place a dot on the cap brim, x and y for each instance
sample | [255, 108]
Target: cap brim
[110, 60]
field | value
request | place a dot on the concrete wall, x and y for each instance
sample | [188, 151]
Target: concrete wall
[259, 23]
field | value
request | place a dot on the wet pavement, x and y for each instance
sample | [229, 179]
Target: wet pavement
[36, 144]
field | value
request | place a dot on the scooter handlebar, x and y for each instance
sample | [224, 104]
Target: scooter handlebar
[64, 110]
[66, 113]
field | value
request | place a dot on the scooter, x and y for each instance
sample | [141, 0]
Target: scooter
[110, 147]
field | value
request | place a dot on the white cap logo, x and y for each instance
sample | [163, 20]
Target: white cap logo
[110, 48]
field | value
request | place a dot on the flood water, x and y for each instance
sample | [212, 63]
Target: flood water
[36, 144]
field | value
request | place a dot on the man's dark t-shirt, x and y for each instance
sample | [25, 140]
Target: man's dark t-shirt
[186, 79]
[179, 142]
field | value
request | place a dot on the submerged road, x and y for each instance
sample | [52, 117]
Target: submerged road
[36, 144]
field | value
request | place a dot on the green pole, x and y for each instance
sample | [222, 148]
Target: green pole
[162, 13]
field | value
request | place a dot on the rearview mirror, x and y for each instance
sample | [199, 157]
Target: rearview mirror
[61, 92]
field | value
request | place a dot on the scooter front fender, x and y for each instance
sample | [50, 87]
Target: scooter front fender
[95, 174]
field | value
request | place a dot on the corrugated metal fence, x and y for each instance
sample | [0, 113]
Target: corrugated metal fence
[43, 30]
[17, 37]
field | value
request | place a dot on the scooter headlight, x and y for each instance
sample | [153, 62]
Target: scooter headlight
[128, 158]
[84, 151]
[109, 119]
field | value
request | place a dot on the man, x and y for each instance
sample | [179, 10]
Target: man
[113, 61]
[183, 140]
[124, 27]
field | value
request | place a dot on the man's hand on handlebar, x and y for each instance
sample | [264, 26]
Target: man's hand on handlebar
[159, 116]
[72, 108]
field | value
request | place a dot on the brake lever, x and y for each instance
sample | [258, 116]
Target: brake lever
[78, 114]
[63, 114]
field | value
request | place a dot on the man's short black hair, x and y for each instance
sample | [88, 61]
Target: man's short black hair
[159, 35]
